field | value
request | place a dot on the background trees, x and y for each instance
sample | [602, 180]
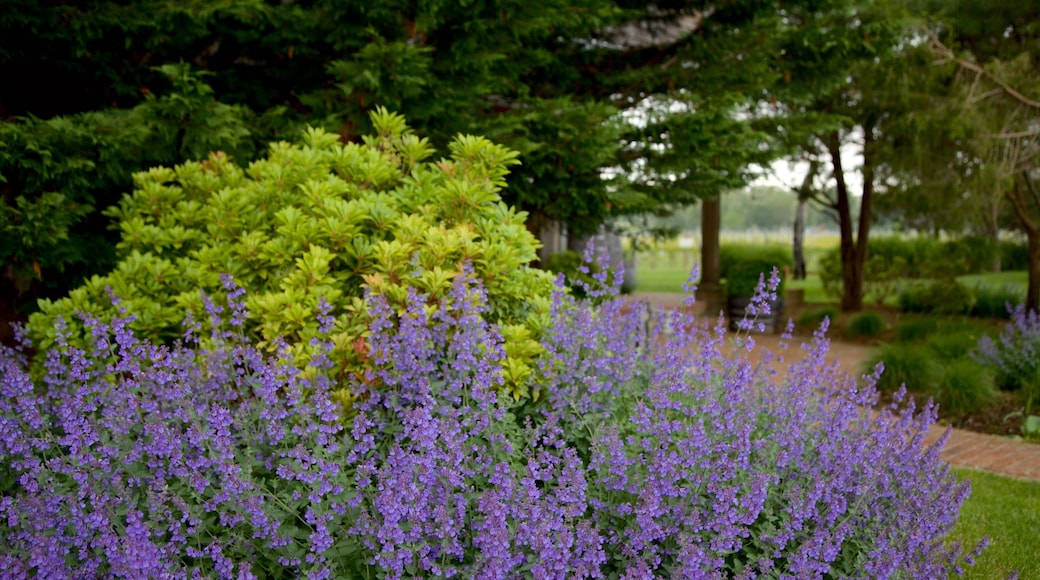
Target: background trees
[617, 107]
[547, 79]
[968, 153]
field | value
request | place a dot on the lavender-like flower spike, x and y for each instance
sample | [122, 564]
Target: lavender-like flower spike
[595, 263]
[690, 286]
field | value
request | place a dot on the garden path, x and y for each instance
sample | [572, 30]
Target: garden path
[1000, 455]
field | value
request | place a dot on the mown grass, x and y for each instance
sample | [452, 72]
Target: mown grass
[1008, 510]
[670, 278]
[661, 279]
[1015, 278]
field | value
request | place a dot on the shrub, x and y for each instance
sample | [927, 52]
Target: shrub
[743, 266]
[894, 259]
[181, 461]
[993, 301]
[974, 253]
[882, 277]
[938, 297]
[911, 365]
[1015, 358]
[1014, 255]
[62, 172]
[1015, 355]
[745, 277]
[965, 386]
[922, 256]
[816, 317]
[916, 329]
[778, 255]
[321, 221]
[954, 341]
[868, 323]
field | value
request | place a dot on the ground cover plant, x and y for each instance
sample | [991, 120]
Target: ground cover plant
[647, 454]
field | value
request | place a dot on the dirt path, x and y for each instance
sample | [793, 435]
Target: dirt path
[1001, 455]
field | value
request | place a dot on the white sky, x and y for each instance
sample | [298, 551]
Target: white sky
[789, 175]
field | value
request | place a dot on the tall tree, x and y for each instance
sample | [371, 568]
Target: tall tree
[978, 140]
[821, 122]
[1001, 100]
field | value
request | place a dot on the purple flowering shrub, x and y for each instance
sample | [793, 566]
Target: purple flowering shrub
[1015, 357]
[649, 453]
[1016, 354]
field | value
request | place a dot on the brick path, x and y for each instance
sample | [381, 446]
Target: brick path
[1000, 455]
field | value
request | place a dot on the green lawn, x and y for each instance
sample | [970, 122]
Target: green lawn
[1008, 510]
[661, 279]
[671, 279]
[1015, 278]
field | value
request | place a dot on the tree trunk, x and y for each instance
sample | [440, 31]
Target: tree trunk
[798, 242]
[1017, 196]
[865, 211]
[805, 193]
[851, 276]
[1033, 291]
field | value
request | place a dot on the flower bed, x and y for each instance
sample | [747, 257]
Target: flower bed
[643, 455]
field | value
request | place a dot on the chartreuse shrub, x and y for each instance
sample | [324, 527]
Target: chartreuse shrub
[650, 456]
[321, 220]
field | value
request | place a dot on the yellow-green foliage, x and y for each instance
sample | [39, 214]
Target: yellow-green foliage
[322, 219]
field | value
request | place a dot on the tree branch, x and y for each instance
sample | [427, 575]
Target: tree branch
[1015, 135]
[948, 55]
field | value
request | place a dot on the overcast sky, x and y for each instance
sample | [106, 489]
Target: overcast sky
[786, 175]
